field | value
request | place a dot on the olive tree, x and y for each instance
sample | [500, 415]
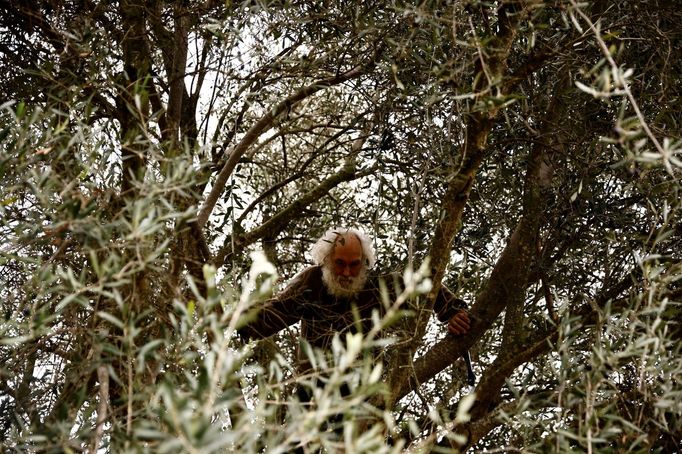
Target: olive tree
[166, 165]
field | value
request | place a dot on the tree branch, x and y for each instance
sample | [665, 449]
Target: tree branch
[493, 63]
[264, 124]
[103, 378]
[280, 220]
[509, 278]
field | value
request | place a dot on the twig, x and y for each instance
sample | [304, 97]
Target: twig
[617, 77]
[129, 422]
[103, 378]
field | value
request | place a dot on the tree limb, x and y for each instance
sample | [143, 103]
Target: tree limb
[264, 124]
[103, 378]
[280, 220]
[508, 281]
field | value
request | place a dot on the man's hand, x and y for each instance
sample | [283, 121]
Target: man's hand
[459, 323]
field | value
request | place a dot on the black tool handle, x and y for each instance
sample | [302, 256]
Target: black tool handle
[471, 377]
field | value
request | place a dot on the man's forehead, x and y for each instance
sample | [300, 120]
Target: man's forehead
[347, 240]
[348, 245]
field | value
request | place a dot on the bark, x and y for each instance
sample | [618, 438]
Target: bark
[515, 349]
[177, 119]
[103, 378]
[78, 385]
[485, 412]
[23, 397]
[473, 150]
[177, 76]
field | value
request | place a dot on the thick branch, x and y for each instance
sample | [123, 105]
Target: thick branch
[489, 304]
[478, 128]
[488, 389]
[479, 125]
[509, 278]
[177, 75]
[133, 100]
[485, 409]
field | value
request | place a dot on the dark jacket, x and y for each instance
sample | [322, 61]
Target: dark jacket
[322, 315]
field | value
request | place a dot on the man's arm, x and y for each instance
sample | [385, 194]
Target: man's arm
[452, 310]
[279, 312]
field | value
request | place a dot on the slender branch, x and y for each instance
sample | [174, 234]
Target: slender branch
[255, 81]
[263, 125]
[278, 222]
[129, 410]
[273, 189]
[103, 378]
[301, 170]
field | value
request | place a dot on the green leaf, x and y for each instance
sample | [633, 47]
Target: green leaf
[111, 319]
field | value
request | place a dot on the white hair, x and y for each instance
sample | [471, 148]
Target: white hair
[323, 247]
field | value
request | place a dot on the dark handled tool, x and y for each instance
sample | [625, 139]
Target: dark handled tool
[471, 377]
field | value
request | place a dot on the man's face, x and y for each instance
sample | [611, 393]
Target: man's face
[345, 272]
[347, 258]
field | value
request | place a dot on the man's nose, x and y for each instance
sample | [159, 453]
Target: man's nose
[345, 271]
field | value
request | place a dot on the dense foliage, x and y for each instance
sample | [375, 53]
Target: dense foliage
[162, 163]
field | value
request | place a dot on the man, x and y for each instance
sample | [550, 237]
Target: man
[328, 297]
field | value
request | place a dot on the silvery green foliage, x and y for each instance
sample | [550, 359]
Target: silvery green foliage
[117, 321]
[185, 385]
[613, 387]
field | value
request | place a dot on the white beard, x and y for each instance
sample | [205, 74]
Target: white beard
[341, 286]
